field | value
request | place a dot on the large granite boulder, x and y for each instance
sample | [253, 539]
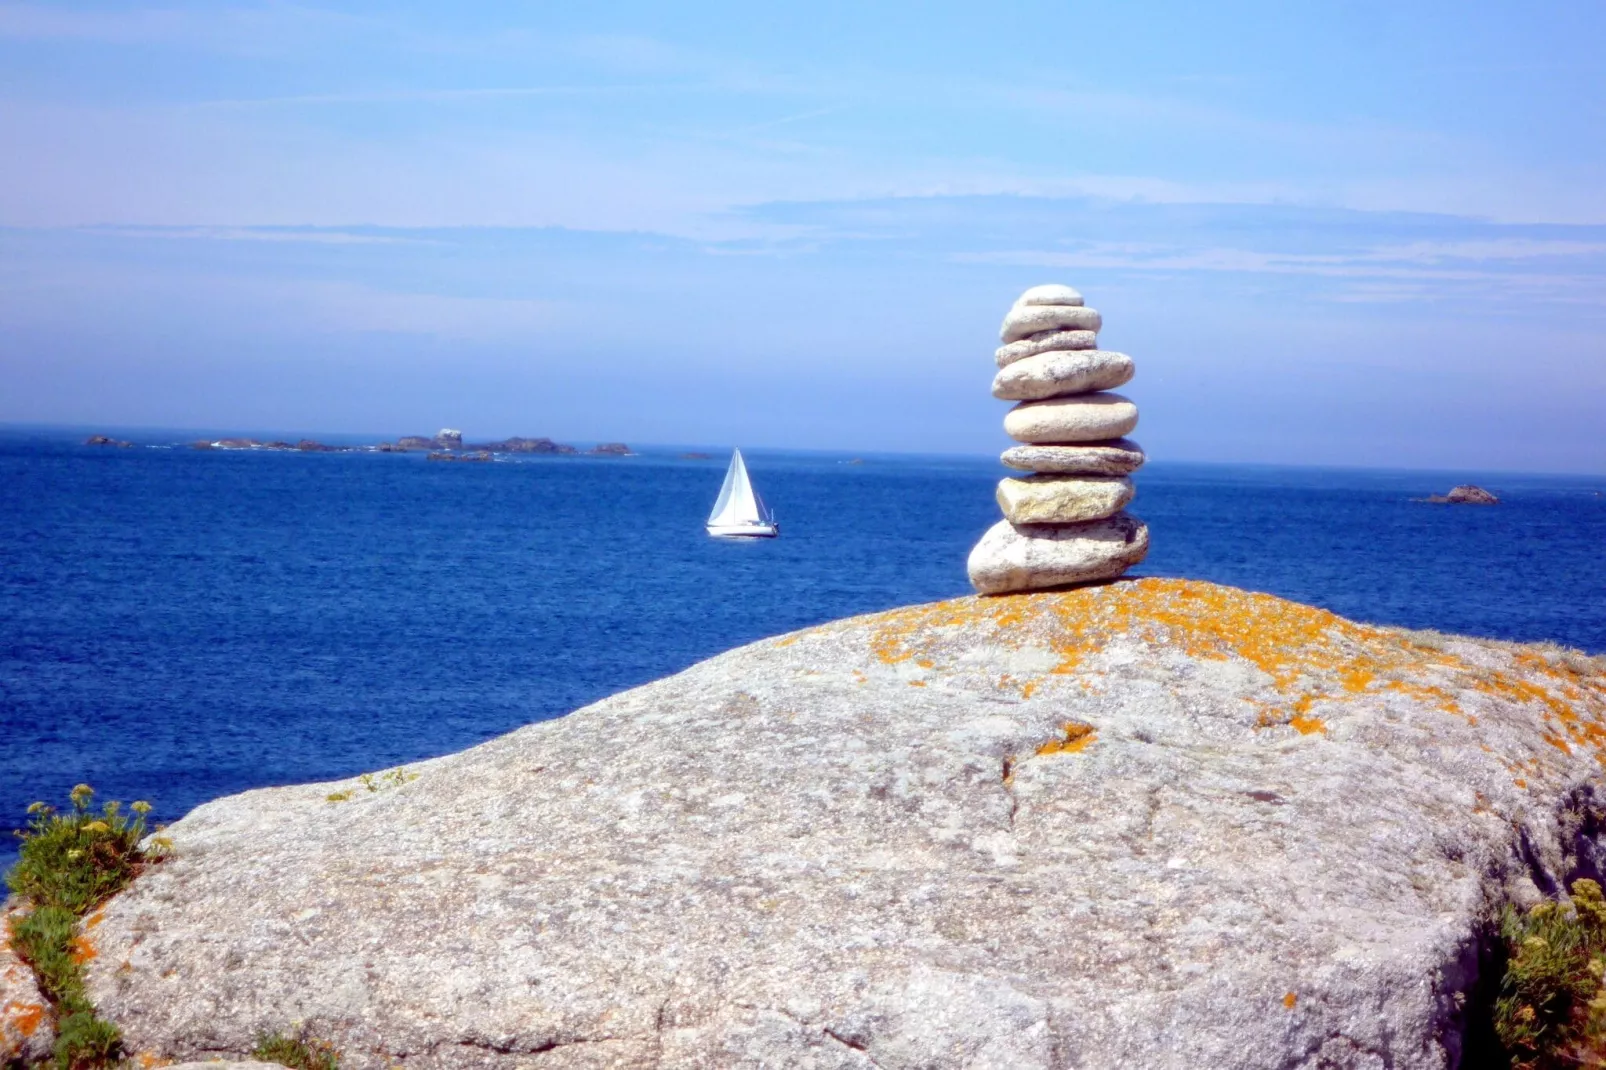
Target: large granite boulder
[1153, 823]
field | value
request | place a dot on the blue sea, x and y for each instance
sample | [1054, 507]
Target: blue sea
[177, 625]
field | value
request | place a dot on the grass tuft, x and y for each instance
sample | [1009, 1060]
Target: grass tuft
[85, 1042]
[297, 1053]
[44, 940]
[1551, 1011]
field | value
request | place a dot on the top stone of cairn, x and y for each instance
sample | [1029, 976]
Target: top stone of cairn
[1052, 307]
[1052, 294]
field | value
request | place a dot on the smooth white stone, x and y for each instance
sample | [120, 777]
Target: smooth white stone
[1030, 557]
[1023, 320]
[1058, 372]
[1115, 458]
[1051, 294]
[1058, 499]
[1083, 418]
[1044, 342]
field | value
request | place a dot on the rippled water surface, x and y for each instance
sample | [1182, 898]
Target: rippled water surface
[177, 624]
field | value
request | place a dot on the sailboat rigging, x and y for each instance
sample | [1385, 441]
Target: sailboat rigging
[739, 511]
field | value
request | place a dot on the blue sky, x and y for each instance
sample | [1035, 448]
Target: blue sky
[1356, 233]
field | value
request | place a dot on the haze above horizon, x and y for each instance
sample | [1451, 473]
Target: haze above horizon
[1348, 234]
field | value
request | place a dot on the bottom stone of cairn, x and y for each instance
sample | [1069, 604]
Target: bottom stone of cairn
[1025, 557]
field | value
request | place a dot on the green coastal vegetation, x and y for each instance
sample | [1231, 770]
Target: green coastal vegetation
[70, 863]
[1551, 1011]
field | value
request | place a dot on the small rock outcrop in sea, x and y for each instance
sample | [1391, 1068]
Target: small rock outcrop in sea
[1064, 523]
[1161, 824]
[106, 440]
[1465, 494]
[517, 444]
[611, 449]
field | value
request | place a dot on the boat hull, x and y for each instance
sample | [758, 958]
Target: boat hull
[744, 531]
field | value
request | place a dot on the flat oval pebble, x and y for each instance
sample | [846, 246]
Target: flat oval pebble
[1083, 418]
[1114, 458]
[1023, 320]
[1044, 342]
[1051, 294]
[1057, 499]
[1033, 556]
[1058, 372]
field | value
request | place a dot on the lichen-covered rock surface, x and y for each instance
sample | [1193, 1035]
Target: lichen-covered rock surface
[1153, 823]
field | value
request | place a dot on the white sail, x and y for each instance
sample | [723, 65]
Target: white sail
[739, 509]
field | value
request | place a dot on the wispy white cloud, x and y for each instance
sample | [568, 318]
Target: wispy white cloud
[261, 234]
[224, 27]
[1382, 273]
[365, 309]
[1434, 252]
[420, 96]
[56, 297]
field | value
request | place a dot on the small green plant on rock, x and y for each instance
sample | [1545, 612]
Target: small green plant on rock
[297, 1053]
[1551, 1011]
[78, 859]
[373, 782]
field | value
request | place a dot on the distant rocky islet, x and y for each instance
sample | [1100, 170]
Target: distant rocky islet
[1064, 523]
[1465, 494]
[446, 445]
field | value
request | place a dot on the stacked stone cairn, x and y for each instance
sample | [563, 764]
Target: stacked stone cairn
[1065, 522]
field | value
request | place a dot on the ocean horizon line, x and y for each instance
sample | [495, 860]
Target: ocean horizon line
[659, 449]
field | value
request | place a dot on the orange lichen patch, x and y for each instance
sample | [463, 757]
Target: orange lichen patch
[24, 1018]
[1306, 725]
[83, 950]
[1077, 737]
[1308, 655]
[1556, 741]
[94, 920]
[925, 663]
[1355, 678]
[1291, 999]
[149, 1059]
[788, 640]
[1521, 783]
[917, 683]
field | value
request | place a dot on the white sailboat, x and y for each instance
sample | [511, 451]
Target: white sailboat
[739, 511]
